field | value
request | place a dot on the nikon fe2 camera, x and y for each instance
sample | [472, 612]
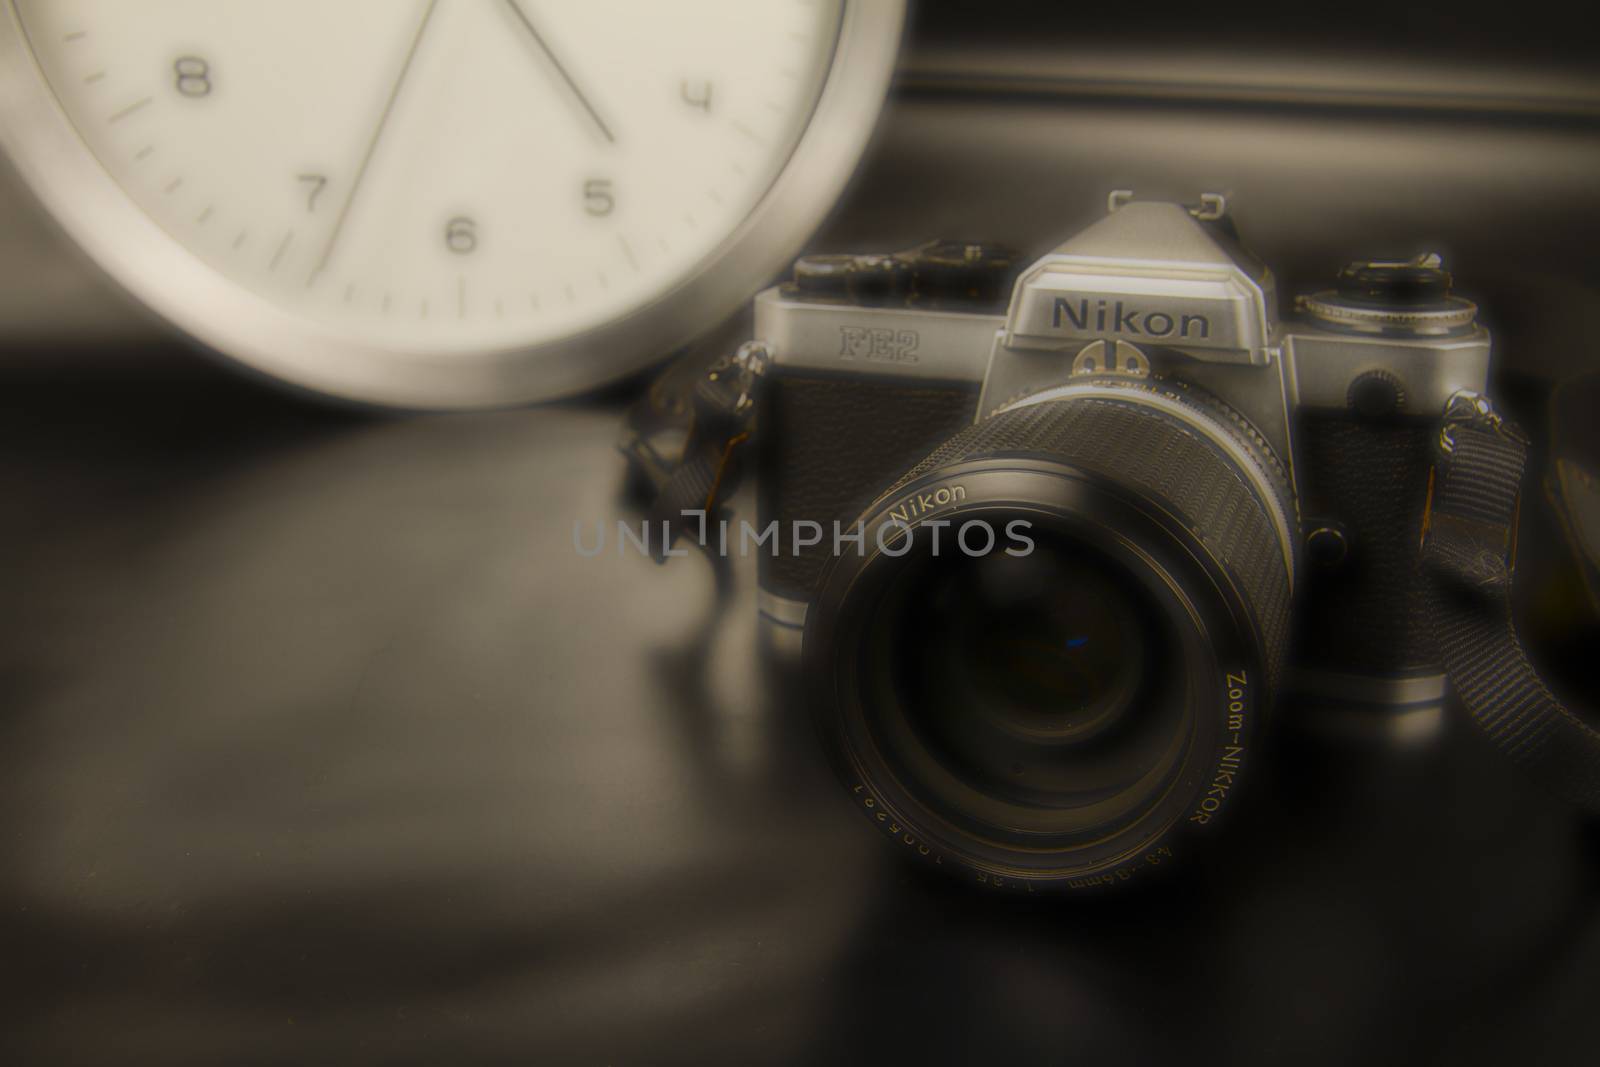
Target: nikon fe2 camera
[1204, 488]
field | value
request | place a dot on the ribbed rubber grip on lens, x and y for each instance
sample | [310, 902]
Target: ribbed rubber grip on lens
[1160, 457]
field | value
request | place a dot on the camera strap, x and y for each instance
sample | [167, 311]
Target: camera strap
[685, 441]
[1469, 553]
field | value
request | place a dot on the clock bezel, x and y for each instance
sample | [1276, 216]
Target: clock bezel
[247, 329]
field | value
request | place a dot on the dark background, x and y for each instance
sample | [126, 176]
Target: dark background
[320, 744]
[1538, 34]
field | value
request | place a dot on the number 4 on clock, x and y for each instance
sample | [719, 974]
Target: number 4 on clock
[696, 94]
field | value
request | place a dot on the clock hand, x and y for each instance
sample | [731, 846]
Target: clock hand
[577, 93]
[372, 145]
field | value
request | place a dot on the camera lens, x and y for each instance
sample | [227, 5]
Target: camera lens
[1075, 707]
[1031, 691]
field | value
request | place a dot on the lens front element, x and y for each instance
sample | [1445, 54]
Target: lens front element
[1024, 694]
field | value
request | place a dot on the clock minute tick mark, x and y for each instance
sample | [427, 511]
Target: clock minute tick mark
[283, 246]
[747, 131]
[118, 116]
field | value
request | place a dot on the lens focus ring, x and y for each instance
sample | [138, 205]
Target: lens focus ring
[1229, 504]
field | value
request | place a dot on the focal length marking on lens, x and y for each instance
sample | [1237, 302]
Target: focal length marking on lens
[1231, 761]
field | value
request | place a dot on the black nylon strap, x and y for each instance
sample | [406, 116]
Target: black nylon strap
[1468, 550]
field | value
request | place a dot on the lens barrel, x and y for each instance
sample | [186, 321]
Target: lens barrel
[1076, 706]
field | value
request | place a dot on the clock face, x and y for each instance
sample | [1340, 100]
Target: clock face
[442, 177]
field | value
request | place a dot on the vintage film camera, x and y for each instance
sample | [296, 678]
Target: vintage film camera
[1222, 505]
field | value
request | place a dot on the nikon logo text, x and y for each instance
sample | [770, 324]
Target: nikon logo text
[912, 506]
[1120, 318]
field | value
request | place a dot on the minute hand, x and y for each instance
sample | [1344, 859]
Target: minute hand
[577, 93]
[372, 143]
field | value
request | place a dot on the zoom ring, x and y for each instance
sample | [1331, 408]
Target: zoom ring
[1160, 457]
